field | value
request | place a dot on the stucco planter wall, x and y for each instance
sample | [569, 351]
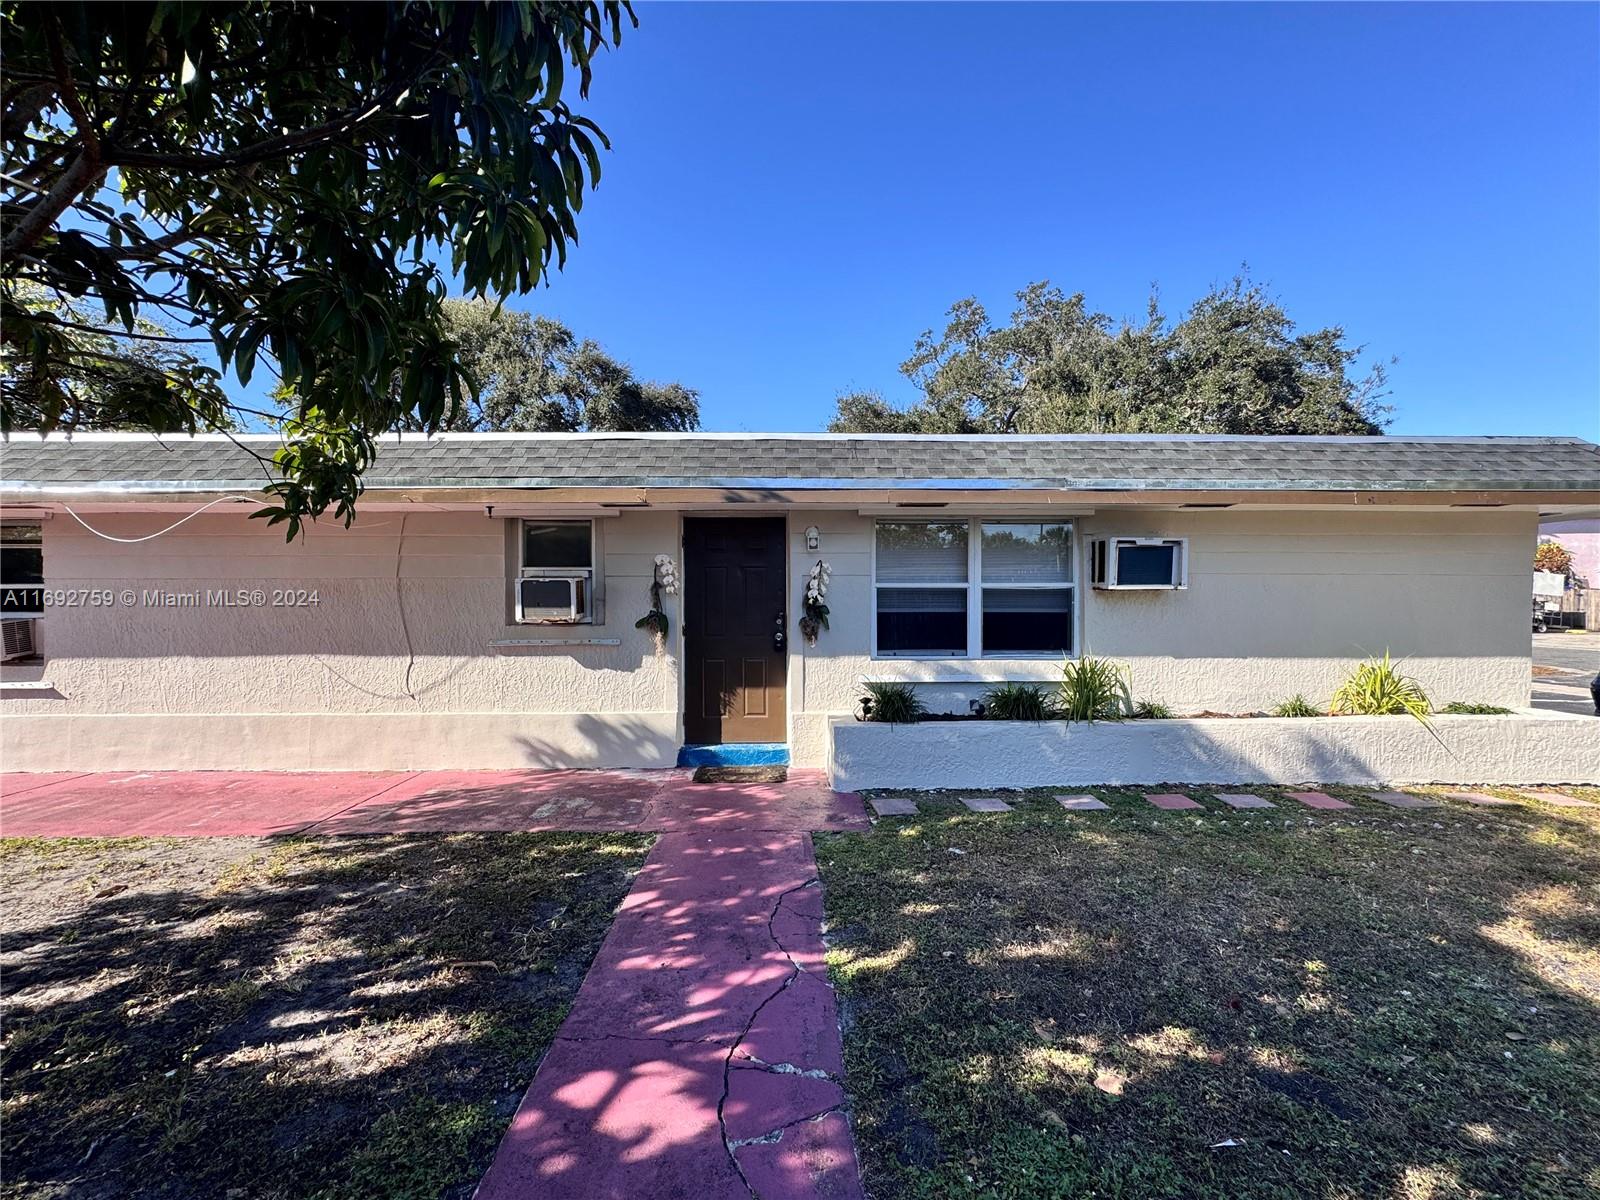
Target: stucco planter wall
[1524, 748]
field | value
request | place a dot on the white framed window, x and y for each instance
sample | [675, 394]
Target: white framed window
[979, 587]
[555, 583]
[21, 589]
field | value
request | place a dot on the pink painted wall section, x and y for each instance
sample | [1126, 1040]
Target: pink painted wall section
[1582, 541]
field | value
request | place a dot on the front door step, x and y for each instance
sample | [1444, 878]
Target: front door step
[735, 754]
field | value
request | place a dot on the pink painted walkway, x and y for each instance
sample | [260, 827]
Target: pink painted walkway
[702, 1056]
[267, 803]
[701, 1059]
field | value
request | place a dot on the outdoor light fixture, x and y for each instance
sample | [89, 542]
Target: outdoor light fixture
[813, 538]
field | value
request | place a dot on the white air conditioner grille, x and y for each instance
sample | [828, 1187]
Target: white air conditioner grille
[18, 636]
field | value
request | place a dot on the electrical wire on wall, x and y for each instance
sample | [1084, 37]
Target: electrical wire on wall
[160, 532]
[399, 587]
[400, 603]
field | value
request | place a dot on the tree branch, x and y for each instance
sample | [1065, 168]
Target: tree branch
[263, 150]
[85, 171]
[108, 331]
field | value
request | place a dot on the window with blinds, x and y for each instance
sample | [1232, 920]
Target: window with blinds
[971, 588]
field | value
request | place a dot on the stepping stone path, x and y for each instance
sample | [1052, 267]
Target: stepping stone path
[1082, 804]
[1561, 800]
[1480, 798]
[985, 804]
[1244, 800]
[1169, 801]
[1406, 800]
[893, 806]
[1319, 800]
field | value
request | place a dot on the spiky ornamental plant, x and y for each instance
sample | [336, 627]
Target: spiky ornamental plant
[1295, 706]
[892, 702]
[1017, 702]
[1093, 689]
[1376, 688]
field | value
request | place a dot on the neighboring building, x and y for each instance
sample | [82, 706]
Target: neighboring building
[482, 610]
[1581, 540]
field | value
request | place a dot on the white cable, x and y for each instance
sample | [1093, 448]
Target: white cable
[151, 536]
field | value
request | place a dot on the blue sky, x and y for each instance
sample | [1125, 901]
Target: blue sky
[796, 191]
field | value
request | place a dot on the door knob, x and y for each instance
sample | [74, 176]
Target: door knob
[777, 640]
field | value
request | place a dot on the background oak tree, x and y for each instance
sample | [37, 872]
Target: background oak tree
[535, 375]
[239, 182]
[1233, 364]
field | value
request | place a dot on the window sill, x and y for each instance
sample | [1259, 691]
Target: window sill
[1019, 668]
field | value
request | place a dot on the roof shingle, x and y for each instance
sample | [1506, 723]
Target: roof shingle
[30, 465]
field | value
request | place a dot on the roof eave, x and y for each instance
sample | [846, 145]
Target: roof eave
[713, 493]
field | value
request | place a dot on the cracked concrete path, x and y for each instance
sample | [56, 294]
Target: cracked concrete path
[702, 1057]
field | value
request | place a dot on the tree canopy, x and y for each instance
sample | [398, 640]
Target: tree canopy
[1551, 555]
[270, 182]
[535, 375]
[1233, 364]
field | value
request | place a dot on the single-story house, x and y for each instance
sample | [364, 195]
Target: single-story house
[483, 610]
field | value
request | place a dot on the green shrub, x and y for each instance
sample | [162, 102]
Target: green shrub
[896, 703]
[1093, 689]
[1461, 707]
[1377, 689]
[1017, 702]
[1151, 710]
[1296, 706]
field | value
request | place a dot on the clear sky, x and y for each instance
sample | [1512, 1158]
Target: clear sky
[798, 190]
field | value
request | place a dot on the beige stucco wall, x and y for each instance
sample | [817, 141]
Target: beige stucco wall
[1278, 602]
[321, 685]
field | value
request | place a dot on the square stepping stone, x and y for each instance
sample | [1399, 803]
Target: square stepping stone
[887, 806]
[1480, 798]
[1405, 800]
[1081, 803]
[1169, 800]
[1561, 800]
[985, 804]
[1319, 800]
[1244, 800]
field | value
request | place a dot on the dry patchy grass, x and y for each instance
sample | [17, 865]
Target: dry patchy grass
[1275, 1003]
[320, 1017]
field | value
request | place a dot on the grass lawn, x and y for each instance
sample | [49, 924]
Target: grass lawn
[324, 1017]
[1277, 1003]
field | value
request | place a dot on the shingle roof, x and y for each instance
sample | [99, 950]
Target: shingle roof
[89, 463]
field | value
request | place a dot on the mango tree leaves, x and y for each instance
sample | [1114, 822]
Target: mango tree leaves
[278, 179]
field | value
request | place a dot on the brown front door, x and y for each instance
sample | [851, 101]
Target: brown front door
[735, 623]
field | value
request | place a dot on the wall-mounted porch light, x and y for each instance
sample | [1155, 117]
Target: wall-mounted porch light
[813, 538]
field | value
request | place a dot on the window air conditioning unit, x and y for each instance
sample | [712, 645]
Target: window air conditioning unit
[1125, 564]
[18, 637]
[553, 597]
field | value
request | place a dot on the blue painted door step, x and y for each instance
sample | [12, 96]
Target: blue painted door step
[735, 754]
